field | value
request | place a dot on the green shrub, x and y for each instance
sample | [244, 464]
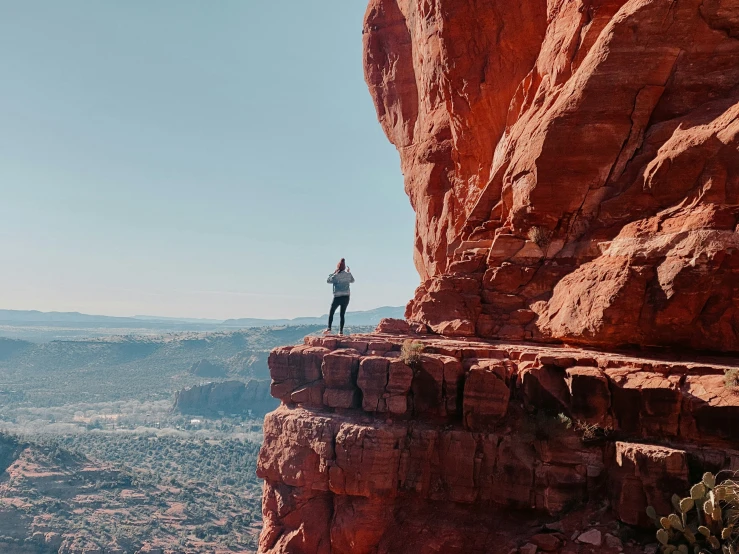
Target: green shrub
[704, 522]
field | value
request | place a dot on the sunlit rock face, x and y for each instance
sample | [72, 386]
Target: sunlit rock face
[574, 170]
[464, 451]
[573, 165]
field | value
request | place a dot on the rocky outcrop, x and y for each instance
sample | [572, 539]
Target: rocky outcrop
[574, 169]
[367, 450]
[573, 165]
[225, 398]
[207, 368]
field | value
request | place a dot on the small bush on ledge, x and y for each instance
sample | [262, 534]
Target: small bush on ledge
[540, 236]
[410, 353]
[731, 379]
[704, 522]
[592, 433]
[564, 420]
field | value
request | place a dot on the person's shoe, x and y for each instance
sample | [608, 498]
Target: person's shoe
[327, 332]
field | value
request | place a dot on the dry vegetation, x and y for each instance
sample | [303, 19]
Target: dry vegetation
[52, 495]
[105, 461]
[540, 236]
[731, 379]
[410, 353]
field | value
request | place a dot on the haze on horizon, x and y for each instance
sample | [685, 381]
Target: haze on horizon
[186, 159]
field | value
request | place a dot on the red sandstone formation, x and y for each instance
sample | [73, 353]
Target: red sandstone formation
[574, 169]
[369, 455]
[573, 165]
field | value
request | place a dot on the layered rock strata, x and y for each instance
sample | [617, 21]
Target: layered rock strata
[573, 165]
[367, 450]
[574, 168]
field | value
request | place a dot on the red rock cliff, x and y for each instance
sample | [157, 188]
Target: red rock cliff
[574, 169]
[465, 451]
[573, 164]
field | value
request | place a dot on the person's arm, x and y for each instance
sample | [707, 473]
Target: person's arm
[351, 277]
[331, 277]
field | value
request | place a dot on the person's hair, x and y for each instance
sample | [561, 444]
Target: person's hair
[341, 266]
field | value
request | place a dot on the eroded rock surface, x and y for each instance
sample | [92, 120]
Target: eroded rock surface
[574, 170]
[573, 165]
[385, 449]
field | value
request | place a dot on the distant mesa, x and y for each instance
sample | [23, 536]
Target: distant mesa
[226, 398]
[11, 347]
[249, 363]
[206, 368]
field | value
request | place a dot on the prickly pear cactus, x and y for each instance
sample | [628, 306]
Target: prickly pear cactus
[707, 521]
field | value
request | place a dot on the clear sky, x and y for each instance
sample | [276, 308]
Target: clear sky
[191, 158]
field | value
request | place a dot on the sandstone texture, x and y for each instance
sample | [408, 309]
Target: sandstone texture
[574, 169]
[573, 165]
[465, 450]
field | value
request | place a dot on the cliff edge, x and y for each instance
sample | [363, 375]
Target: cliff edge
[482, 447]
[567, 360]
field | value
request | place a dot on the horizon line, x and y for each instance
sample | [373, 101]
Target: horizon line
[185, 318]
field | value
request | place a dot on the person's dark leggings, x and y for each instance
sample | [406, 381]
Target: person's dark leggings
[339, 302]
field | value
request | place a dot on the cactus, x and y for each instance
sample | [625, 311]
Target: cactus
[675, 522]
[705, 522]
[698, 491]
[709, 480]
[676, 502]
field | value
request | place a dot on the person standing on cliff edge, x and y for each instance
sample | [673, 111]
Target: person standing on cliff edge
[340, 279]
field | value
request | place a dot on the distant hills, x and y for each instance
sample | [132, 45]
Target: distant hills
[42, 327]
[368, 317]
[136, 367]
[35, 317]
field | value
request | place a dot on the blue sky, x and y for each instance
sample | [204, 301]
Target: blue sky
[189, 158]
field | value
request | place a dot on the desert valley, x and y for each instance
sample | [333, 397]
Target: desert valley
[565, 378]
[137, 442]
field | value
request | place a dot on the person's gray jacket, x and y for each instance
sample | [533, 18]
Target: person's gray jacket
[341, 281]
